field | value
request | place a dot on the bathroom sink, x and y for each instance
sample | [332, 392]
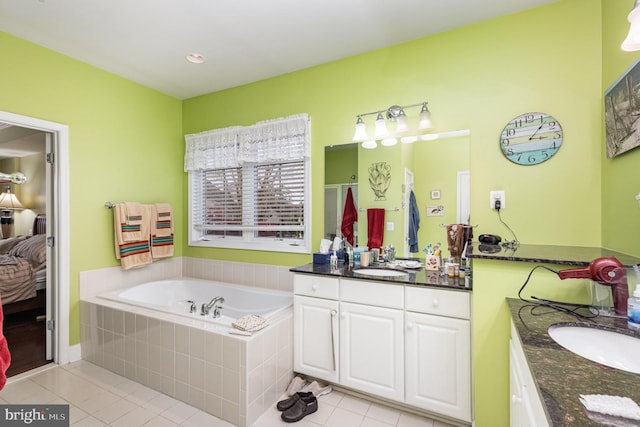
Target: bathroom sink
[380, 272]
[603, 346]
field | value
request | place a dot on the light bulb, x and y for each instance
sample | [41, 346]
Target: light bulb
[388, 142]
[403, 125]
[369, 145]
[425, 118]
[361, 131]
[632, 42]
[408, 139]
[381, 131]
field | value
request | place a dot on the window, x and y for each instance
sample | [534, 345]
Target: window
[249, 187]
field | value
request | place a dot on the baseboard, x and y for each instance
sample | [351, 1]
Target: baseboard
[75, 353]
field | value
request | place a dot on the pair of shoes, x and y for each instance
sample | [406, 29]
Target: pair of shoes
[318, 389]
[285, 404]
[296, 385]
[302, 407]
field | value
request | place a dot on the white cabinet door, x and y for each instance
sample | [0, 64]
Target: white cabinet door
[439, 364]
[316, 337]
[525, 406]
[372, 350]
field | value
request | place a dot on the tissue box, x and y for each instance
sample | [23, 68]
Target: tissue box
[319, 258]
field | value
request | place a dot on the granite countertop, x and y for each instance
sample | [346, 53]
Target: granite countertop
[568, 255]
[560, 375]
[416, 277]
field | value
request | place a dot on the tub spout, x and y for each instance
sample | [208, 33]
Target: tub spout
[213, 304]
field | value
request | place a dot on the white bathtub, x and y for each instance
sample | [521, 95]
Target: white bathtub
[176, 296]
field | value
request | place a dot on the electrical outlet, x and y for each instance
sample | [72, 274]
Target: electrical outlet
[497, 195]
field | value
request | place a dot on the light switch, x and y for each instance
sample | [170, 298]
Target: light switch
[390, 226]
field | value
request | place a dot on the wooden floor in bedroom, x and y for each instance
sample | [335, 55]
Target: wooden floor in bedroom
[25, 333]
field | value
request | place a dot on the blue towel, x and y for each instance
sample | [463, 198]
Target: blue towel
[414, 223]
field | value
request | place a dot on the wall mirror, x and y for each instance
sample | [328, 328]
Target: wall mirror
[437, 171]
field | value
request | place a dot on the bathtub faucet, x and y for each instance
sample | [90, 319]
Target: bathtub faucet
[213, 304]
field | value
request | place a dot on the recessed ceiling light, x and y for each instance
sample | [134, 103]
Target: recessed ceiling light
[195, 58]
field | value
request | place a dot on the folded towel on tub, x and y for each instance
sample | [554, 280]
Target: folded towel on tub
[161, 230]
[136, 253]
[250, 323]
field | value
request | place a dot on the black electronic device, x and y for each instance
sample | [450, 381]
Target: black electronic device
[490, 239]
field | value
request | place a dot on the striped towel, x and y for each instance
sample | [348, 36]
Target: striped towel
[133, 219]
[250, 323]
[161, 230]
[131, 253]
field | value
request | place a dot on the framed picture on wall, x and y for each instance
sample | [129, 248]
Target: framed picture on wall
[622, 112]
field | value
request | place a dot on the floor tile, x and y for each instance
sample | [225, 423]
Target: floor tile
[384, 414]
[343, 418]
[98, 398]
[370, 422]
[354, 404]
[410, 420]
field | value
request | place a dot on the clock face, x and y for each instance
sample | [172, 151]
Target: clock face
[531, 138]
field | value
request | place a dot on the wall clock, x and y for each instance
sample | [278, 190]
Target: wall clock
[531, 138]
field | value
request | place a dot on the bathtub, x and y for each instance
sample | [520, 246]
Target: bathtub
[146, 333]
[177, 296]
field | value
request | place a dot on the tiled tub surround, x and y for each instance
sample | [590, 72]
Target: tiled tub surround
[232, 377]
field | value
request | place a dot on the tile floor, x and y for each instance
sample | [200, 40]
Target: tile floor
[98, 397]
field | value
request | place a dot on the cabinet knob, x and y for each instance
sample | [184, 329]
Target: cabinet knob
[435, 302]
[314, 287]
[343, 314]
[333, 313]
[410, 325]
[516, 399]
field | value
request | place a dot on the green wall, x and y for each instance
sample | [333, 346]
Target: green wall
[478, 77]
[620, 175]
[125, 144]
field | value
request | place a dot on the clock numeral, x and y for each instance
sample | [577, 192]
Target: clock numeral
[510, 132]
[510, 152]
[505, 142]
[529, 118]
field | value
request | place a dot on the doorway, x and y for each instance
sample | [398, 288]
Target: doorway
[50, 328]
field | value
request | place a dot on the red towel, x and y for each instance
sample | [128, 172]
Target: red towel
[375, 218]
[5, 356]
[349, 216]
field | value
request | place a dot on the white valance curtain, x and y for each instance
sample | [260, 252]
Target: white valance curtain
[283, 139]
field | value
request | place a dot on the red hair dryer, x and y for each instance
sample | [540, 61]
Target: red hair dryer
[606, 271]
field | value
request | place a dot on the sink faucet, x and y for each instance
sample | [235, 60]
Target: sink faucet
[206, 308]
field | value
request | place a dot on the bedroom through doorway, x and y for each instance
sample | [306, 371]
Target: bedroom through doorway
[26, 286]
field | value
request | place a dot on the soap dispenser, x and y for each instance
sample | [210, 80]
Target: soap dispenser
[633, 310]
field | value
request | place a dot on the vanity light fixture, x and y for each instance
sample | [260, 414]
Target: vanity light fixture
[632, 42]
[394, 114]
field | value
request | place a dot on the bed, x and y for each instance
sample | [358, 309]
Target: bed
[23, 269]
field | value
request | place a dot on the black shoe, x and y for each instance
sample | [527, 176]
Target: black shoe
[285, 404]
[300, 409]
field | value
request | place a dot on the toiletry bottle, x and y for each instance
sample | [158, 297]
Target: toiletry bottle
[333, 260]
[633, 310]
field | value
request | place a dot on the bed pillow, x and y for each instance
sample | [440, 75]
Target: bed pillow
[7, 244]
[34, 249]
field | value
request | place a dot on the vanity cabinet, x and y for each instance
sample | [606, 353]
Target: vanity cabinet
[525, 405]
[403, 343]
[315, 329]
[438, 352]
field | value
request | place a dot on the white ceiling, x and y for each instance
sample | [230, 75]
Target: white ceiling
[243, 40]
